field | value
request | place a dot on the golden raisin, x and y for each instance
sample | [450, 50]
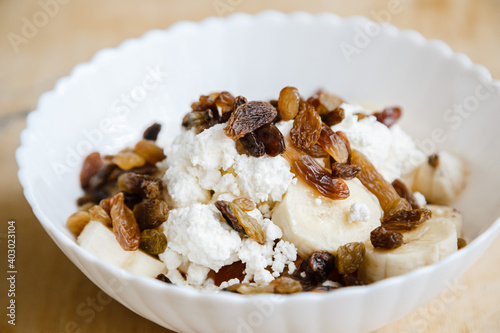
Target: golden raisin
[315, 151]
[149, 151]
[272, 138]
[306, 127]
[241, 221]
[405, 192]
[245, 204]
[333, 144]
[125, 226]
[333, 117]
[97, 213]
[461, 243]
[153, 241]
[344, 171]
[127, 159]
[225, 102]
[288, 103]
[389, 116]
[349, 257]
[406, 219]
[234, 271]
[77, 221]
[286, 285]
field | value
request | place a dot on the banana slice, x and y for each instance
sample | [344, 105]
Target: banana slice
[313, 222]
[101, 242]
[447, 212]
[442, 178]
[432, 241]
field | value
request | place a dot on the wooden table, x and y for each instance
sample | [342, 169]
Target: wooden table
[50, 288]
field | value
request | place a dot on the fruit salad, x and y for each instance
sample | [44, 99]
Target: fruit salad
[282, 196]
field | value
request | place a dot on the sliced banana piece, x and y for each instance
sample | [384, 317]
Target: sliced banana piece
[442, 178]
[432, 241]
[447, 212]
[313, 222]
[101, 242]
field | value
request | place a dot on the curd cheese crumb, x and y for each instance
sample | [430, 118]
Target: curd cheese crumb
[359, 212]
[420, 199]
[318, 201]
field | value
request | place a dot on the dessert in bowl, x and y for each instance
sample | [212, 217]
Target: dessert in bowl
[164, 72]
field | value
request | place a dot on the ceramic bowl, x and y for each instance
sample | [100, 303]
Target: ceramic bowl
[105, 104]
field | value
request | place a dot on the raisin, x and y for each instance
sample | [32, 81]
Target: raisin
[241, 221]
[245, 204]
[333, 117]
[227, 214]
[272, 138]
[248, 117]
[288, 103]
[127, 159]
[351, 280]
[234, 271]
[316, 151]
[315, 175]
[125, 226]
[349, 257]
[405, 193]
[321, 289]
[153, 241]
[87, 198]
[344, 171]
[253, 145]
[151, 213]
[306, 127]
[102, 177]
[286, 285]
[151, 133]
[225, 102]
[97, 213]
[143, 185]
[333, 144]
[162, 277]
[376, 184]
[131, 199]
[91, 166]
[433, 160]
[406, 219]
[386, 239]
[199, 120]
[247, 289]
[324, 102]
[239, 100]
[317, 267]
[149, 151]
[204, 103]
[77, 221]
[389, 116]
[461, 243]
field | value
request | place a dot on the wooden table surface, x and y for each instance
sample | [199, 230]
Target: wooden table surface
[49, 287]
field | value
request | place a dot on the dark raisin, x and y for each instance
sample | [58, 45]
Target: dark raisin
[131, 199]
[317, 267]
[405, 192]
[253, 145]
[151, 213]
[239, 100]
[271, 137]
[389, 116]
[151, 133]
[199, 120]
[91, 166]
[306, 128]
[433, 160]
[162, 277]
[228, 215]
[351, 280]
[344, 171]
[248, 117]
[333, 117]
[386, 239]
[234, 271]
[87, 198]
[143, 185]
[406, 219]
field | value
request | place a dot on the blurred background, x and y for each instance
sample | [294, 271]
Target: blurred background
[41, 41]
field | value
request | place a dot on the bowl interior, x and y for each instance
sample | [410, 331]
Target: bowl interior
[448, 103]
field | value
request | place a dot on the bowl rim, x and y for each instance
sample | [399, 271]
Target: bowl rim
[82, 68]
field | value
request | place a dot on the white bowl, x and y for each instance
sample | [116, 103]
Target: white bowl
[156, 77]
